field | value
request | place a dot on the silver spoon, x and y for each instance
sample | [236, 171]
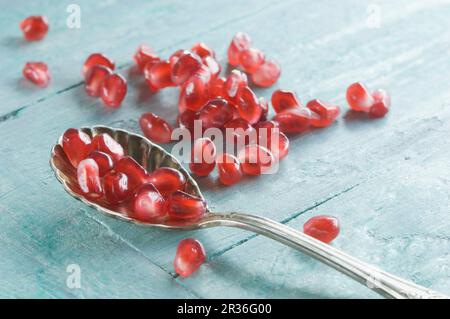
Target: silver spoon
[152, 156]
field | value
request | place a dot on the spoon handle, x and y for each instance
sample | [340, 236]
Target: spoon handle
[376, 279]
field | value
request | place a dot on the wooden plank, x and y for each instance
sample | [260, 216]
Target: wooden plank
[322, 164]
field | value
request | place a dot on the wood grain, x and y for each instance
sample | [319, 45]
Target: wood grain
[387, 180]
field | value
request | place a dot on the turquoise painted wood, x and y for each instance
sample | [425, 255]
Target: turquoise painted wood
[386, 180]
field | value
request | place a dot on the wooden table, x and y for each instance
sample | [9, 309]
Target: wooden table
[386, 180]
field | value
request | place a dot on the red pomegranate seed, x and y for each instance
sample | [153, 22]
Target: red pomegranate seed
[106, 144]
[116, 187]
[270, 137]
[255, 159]
[113, 90]
[97, 59]
[137, 175]
[323, 228]
[267, 74]
[37, 72]
[158, 75]
[186, 120]
[195, 92]
[167, 180]
[240, 132]
[144, 55]
[265, 108]
[359, 97]
[88, 177]
[202, 50]
[174, 57]
[186, 66]
[216, 113]
[104, 161]
[382, 103]
[234, 81]
[77, 145]
[95, 78]
[203, 157]
[216, 88]
[189, 257]
[229, 169]
[212, 65]
[248, 105]
[148, 204]
[293, 121]
[251, 59]
[322, 113]
[284, 100]
[155, 128]
[185, 206]
[34, 28]
[240, 42]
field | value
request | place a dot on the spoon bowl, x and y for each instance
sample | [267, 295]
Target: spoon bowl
[152, 156]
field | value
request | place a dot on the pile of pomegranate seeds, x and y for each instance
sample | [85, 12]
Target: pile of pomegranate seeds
[240, 53]
[37, 73]
[34, 28]
[101, 81]
[322, 227]
[107, 175]
[189, 257]
[376, 104]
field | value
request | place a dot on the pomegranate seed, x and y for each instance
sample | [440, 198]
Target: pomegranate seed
[88, 177]
[186, 66]
[77, 145]
[267, 125]
[167, 180]
[234, 81]
[322, 113]
[106, 144]
[381, 105]
[185, 206]
[144, 55]
[216, 88]
[186, 120]
[264, 107]
[203, 157]
[158, 75]
[137, 175]
[251, 59]
[212, 65]
[97, 59]
[175, 56]
[189, 257]
[278, 144]
[284, 100]
[359, 98]
[293, 121]
[267, 74]
[113, 90]
[323, 228]
[34, 28]
[255, 159]
[195, 92]
[155, 128]
[37, 72]
[240, 132]
[216, 113]
[240, 42]
[116, 187]
[229, 169]
[104, 161]
[148, 204]
[95, 78]
[202, 50]
[248, 105]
